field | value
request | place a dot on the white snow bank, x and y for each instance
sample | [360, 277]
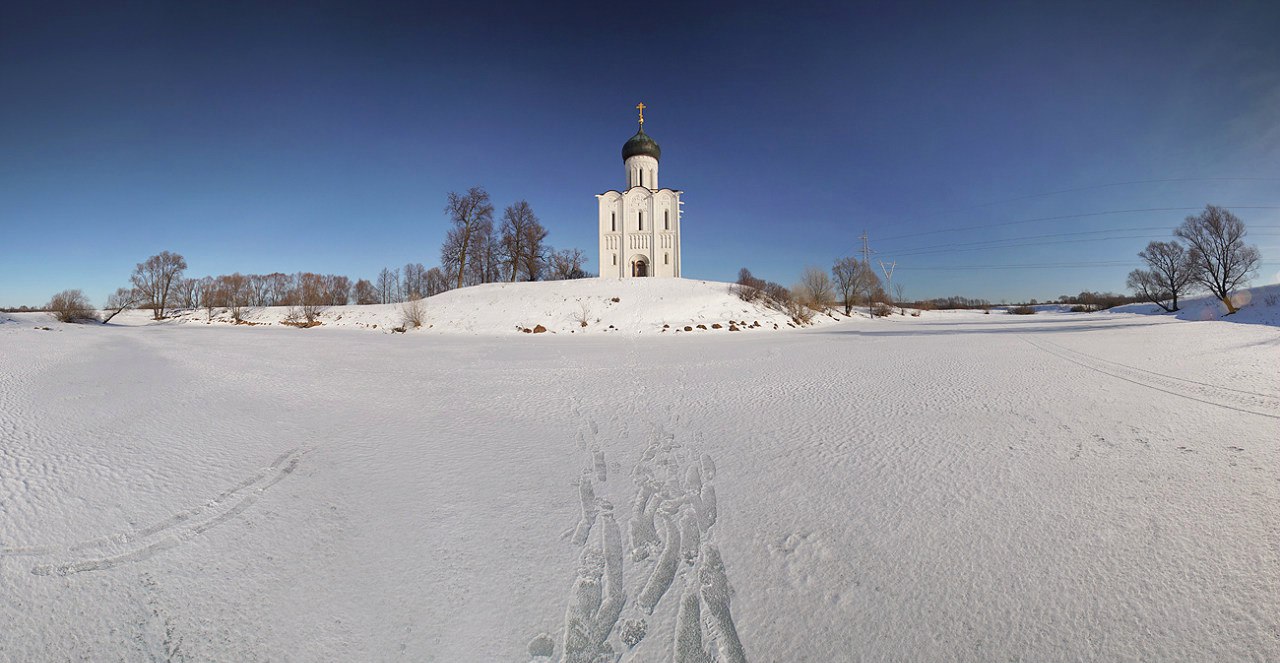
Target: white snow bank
[1257, 306]
[633, 306]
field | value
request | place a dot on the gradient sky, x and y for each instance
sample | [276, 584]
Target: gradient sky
[260, 137]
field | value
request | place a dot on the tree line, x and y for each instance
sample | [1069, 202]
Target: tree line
[474, 252]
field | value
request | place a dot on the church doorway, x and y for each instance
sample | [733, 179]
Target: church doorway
[639, 267]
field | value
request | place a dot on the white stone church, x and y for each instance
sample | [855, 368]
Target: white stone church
[640, 225]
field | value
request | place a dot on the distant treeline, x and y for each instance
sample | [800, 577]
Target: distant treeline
[474, 252]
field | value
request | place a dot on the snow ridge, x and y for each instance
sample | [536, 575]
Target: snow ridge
[126, 547]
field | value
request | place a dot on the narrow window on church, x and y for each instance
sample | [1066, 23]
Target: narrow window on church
[642, 221]
[666, 220]
[666, 258]
[613, 222]
[615, 260]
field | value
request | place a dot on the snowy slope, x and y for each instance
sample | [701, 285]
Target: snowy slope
[643, 306]
[1258, 306]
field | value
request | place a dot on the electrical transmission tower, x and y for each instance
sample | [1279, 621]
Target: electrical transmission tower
[866, 264]
[888, 279]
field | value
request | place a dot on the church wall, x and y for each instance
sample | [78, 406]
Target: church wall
[657, 241]
[610, 258]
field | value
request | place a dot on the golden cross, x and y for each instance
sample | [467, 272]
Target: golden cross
[641, 107]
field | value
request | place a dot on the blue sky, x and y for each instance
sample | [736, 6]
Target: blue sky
[259, 137]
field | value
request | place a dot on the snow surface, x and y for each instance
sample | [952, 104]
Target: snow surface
[958, 486]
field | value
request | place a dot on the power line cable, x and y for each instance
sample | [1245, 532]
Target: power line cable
[1026, 237]
[1111, 184]
[1167, 180]
[1071, 234]
[1048, 265]
[1064, 217]
[1017, 245]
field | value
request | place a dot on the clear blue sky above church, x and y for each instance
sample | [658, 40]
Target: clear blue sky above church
[260, 137]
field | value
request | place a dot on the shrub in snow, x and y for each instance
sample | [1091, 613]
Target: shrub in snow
[71, 306]
[412, 312]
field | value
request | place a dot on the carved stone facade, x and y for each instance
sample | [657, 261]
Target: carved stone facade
[640, 226]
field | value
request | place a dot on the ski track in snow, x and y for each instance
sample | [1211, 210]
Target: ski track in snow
[1250, 402]
[115, 549]
[670, 550]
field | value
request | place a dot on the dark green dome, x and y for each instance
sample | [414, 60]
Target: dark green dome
[641, 144]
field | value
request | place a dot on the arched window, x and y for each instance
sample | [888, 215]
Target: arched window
[613, 222]
[666, 220]
[615, 260]
[641, 220]
[666, 258]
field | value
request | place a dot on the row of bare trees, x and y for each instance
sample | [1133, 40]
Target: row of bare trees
[475, 252]
[850, 283]
[1212, 255]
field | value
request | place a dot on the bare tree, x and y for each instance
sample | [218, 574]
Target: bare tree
[208, 287]
[364, 292]
[814, 289]
[567, 264]
[487, 259]
[281, 288]
[413, 280]
[234, 292]
[312, 297]
[747, 287]
[436, 282]
[1222, 261]
[118, 301]
[388, 285]
[472, 217]
[156, 277]
[259, 290]
[900, 292]
[852, 276]
[186, 293]
[337, 289]
[1170, 274]
[71, 306]
[521, 238]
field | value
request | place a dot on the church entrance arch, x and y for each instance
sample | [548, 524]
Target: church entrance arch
[639, 266]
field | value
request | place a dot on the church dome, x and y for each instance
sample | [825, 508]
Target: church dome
[641, 145]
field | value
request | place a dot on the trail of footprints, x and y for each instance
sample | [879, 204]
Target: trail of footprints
[141, 543]
[668, 554]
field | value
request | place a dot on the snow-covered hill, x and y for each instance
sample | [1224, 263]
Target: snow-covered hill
[1258, 306]
[633, 306]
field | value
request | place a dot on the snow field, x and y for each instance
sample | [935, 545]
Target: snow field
[958, 487]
